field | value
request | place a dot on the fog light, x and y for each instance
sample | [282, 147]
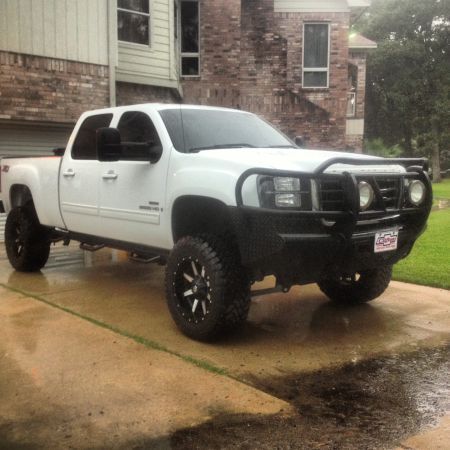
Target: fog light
[416, 192]
[365, 195]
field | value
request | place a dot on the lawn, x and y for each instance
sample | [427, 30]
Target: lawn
[442, 190]
[429, 262]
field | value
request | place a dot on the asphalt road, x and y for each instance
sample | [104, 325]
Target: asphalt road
[90, 358]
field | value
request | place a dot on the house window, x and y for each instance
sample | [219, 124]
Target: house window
[133, 21]
[316, 55]
[190, 53]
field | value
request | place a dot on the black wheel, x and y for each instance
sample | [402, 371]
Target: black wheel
[208, 292]
[27, 242]
[360, 287]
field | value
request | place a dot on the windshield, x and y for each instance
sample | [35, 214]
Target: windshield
[193, 130]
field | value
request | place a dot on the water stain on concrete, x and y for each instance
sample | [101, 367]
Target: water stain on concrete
[371, 404]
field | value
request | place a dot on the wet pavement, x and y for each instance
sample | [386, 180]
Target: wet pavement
[356, 377]
[371, 404]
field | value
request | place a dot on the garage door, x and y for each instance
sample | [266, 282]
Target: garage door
[27, 139]
[21, 140]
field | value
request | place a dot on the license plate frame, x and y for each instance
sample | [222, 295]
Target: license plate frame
[386, 240]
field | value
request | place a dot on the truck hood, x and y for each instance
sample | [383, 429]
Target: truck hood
[291, 159]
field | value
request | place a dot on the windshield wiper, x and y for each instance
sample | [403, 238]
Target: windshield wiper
[212, 147]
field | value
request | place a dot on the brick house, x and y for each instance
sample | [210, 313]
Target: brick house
[289, 60]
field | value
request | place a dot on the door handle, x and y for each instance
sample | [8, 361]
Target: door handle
[69, 174]
[111, 175]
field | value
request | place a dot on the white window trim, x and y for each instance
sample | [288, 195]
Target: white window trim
[351, 97]
[316, 69]
[150, 26]
[188, 54]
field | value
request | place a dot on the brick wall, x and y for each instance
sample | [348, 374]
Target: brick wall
[131, 94]
[220, 34]
[354, 142]
[45, 89]
[251, 58]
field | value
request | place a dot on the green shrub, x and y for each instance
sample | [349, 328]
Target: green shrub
[376, 147]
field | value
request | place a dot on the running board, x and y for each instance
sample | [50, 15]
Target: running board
[142, 259]
[91, 248]
[273, 290]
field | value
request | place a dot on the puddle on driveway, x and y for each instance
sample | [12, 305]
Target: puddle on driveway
[371, 404]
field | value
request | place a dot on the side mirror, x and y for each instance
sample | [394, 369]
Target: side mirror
[109, 146]
[155, 153]
[299, 141]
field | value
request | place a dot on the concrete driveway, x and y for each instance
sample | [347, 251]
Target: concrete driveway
[90, 358]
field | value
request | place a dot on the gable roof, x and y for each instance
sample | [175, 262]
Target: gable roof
[358, 41]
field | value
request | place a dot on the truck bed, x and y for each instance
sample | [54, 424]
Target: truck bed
[40, 174]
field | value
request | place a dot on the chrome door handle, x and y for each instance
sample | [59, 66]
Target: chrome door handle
[69, 174]
[110, 176]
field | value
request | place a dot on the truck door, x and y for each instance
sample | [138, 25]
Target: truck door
[79, 178]
[132, 190]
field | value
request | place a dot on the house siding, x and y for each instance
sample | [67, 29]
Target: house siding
[311, 6]
[62, 29]
[154, 64]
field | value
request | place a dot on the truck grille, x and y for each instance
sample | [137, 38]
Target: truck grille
[332, 196]
[390, 191]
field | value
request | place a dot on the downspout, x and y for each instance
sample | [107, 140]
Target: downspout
[112, 49]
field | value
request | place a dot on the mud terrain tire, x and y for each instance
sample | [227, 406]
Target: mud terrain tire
[207, 290]
[349, 290]
[27, 242]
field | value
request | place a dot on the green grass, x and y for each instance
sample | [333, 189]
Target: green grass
[429, 262]
[442, 190]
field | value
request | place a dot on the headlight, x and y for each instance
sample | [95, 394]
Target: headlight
[280, 192]
[286, 184]
[290, 188]
[416, 192]
[365, 195]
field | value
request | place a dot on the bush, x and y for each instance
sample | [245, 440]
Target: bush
[376, 147]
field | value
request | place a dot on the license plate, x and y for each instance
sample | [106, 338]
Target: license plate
[386, 241]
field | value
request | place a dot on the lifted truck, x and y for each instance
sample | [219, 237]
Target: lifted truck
[223, 199]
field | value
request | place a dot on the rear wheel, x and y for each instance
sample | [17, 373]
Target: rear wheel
[207, 290]
[27, 242]
[360, 287]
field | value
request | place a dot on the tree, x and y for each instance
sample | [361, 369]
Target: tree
[408, 92]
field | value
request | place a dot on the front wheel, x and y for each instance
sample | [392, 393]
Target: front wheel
[360, 287]
[27, 242]
[207, 290]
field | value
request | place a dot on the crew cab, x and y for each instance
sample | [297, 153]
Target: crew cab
[223, 199]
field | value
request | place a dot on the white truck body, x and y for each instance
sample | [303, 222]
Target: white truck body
[99, 198]
[301, 215]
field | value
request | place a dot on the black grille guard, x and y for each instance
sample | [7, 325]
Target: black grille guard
[347, 219]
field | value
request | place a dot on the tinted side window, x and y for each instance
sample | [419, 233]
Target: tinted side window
[85, 146]
[136, 126]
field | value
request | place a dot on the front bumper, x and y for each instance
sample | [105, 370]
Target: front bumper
[300, 247]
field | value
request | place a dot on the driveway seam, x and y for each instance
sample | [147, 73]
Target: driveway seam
[210, 367]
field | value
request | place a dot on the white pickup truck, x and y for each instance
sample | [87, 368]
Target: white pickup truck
[223, 199]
